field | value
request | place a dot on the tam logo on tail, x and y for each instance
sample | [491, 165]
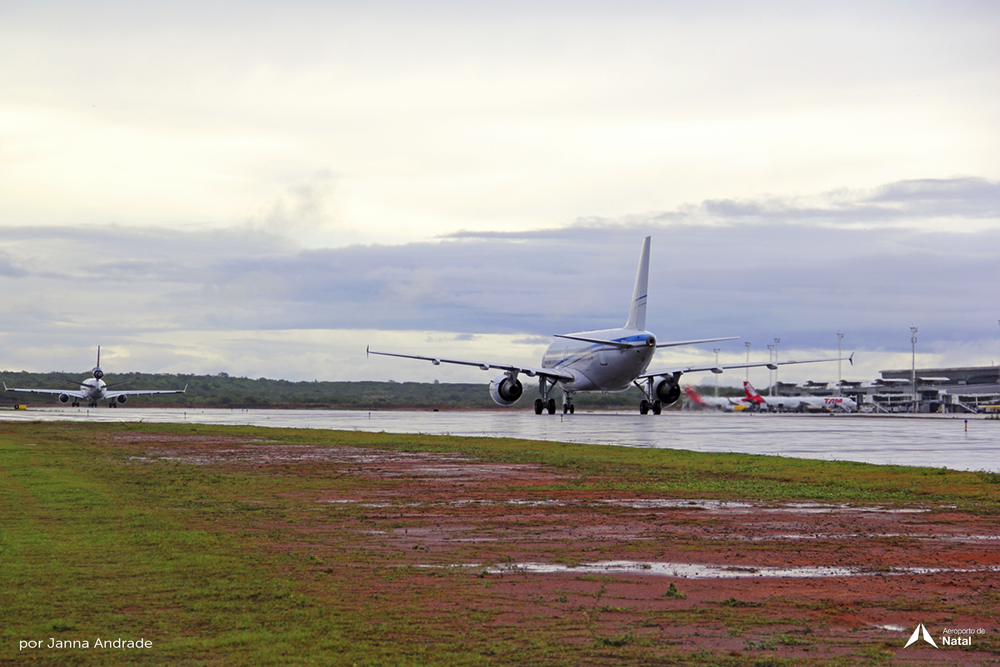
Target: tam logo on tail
[693, 395]
[752, 394]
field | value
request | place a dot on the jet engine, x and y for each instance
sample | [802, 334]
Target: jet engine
[64, 398]
[667, 391]
[122, 399]
[505, 391]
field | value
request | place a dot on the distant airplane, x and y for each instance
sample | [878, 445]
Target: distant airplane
[93, 390]
[727, 403]
[609, 360]
[798, 403]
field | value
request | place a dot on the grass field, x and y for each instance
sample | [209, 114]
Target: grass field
[250, 557]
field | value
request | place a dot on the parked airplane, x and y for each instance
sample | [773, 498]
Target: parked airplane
[727, 403]
[93, 390]
[798, 403]
[609, 360]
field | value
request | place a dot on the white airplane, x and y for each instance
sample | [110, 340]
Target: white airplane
[609, 360]
[727, 403]
[93, 390]
[798, 403]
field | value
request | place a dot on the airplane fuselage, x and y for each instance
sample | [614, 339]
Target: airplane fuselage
[803, 403]
[597, 367]
[93, 389]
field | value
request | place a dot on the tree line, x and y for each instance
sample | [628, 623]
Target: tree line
[223, 391]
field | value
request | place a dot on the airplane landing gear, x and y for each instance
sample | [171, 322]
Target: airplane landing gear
[645, 407]
[544, 402]
[568, 403]
[651, 402]
[548, 406]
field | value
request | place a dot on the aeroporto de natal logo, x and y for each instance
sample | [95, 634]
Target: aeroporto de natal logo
[949, 636]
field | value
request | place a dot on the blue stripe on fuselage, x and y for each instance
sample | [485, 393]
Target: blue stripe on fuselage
[582, 352]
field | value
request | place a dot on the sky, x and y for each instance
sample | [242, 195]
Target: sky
[264, 188]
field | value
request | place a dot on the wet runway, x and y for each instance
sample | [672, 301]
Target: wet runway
[936, 442]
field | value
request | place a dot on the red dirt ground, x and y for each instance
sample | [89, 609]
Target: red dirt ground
[932, 565]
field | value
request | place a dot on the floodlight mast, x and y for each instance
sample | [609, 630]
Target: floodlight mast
[913, 367]
[776, 342]
[840, 364]
[770, 373]
[716, 350]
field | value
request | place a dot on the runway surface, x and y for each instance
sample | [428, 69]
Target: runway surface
[915, 441]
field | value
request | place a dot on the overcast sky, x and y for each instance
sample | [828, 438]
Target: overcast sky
[265, 188]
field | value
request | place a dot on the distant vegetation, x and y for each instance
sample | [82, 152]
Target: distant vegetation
[222, 391]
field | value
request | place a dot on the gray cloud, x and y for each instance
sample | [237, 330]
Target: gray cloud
[9, 269]
[903, 203]
[802, 282]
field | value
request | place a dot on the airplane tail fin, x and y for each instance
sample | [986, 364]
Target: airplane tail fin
[637, 311]
[693, 395]
[97, 372]
[751, 392]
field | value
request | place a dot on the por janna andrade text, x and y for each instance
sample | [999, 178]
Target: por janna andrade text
[121, 644]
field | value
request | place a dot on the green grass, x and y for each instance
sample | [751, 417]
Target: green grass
[196, 558]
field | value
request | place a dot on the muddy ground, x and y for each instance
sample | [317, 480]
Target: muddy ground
[519, 549]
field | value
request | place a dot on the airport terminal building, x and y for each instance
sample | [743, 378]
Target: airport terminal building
[967, 390]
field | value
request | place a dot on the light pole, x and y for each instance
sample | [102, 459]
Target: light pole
[770, 358]
[913, 366]
[840, 364]
[748, 360]
[776, 341]
[716, 350]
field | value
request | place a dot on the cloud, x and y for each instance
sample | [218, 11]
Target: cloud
[9, 269]
[302, 209]
[970, 203]
[744, 275]
[437, 116]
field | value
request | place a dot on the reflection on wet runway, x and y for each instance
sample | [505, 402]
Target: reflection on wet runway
[882, 440]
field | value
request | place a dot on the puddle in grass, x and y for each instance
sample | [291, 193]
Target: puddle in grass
[701, 571]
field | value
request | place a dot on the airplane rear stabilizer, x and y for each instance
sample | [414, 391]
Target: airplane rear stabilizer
[637, 311]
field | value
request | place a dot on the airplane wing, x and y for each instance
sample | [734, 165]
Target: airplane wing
[116, 394]
[69, 392]
[695, 342]
[680, 370]
[625, 344]
[551, 373]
